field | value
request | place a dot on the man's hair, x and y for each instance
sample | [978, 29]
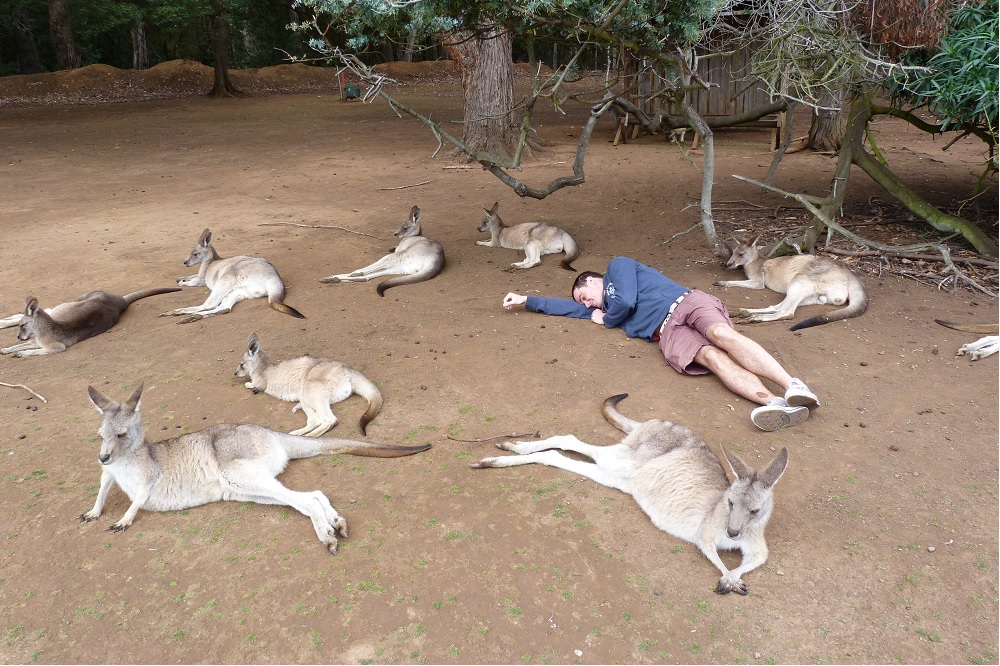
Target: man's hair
[581, 280]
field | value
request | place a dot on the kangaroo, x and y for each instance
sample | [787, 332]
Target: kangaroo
[57, 328]
[535, 238]
[223, 462]
[416, 258]
[231, 280]
[677, 480]
[981, 348]
[315, 383]
[805, 279]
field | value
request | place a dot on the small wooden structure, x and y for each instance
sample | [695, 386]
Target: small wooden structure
[730, 93]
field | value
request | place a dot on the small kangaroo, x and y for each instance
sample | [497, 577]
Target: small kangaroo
[231, 280]
[416, 258]
[977, 349]
[57, 328]
[223, 462]
[535, 238]
[316, 383]
[805, 279]
[677, 480]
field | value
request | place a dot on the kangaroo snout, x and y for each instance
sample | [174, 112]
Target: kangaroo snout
[104, 458]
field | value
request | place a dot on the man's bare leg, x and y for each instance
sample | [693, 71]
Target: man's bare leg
[748, 354]
[736, 378]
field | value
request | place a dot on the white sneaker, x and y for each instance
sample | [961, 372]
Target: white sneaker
[799, 395]
[775, 416]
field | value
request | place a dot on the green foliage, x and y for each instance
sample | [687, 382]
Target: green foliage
[961, 82]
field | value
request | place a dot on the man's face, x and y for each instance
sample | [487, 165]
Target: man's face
[591, 294]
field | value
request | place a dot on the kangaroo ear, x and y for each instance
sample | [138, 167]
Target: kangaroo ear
[30, 306]
[496, 207]
[254, 345]
[770, 474]
[206, 238]
[100, 402]
[740, 468]
[754, 243]
[132, 404]
[415, 214]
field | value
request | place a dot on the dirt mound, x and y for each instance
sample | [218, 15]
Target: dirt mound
[428, 69]
[98, 84]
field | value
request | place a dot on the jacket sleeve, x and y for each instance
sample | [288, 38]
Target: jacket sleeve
[562, 307]
[620, 292]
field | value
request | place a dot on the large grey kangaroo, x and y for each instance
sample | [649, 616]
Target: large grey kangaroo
[805, 279]
[55, 329]
[416, 258]
[223, 462]
[231, 280]
[677, 480]
[315, 383]
[535, 238]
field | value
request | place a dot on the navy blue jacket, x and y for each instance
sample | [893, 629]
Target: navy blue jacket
[636, 299]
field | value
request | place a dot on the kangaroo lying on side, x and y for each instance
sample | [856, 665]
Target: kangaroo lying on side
[58, 328]
[677, 480]
[231, 280]
[223, 462]
[316, 383]
[981, 348]
[417, 258]
[805, 279]
[535, 238]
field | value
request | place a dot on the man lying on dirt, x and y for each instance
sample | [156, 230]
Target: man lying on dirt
[693, 331]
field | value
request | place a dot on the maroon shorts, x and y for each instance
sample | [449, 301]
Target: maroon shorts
[684, 333]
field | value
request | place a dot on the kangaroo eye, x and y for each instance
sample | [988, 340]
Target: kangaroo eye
[120, 435]
[730, 504]
[754, 512]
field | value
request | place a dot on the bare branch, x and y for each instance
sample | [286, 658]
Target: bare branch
[22, 386]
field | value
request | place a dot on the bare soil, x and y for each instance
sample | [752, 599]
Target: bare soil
[883, 544]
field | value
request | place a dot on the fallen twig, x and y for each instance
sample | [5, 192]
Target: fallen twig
[316, 226]
[22, 386]
[486, 439]
[403, 187]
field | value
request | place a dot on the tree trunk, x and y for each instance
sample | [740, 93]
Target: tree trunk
[826, 131]
[67, 57]
[28, 59]
[486, 62]
[222, 87]
[411, 40]
[140, 53]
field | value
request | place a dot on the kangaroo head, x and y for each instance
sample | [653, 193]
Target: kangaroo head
[492, 217]
[750, 498]
[202, 250]
[743, 253]
[253, 361]
[411, 227]
[29, 321]
[121, 430]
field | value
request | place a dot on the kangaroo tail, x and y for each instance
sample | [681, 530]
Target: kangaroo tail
[372, 450]
[981, 329]
[136, 295]
[367, 390]
[419, 276]
[286, 309]
[572, 252]
[616, 418]
[307, 447]
[856, 306]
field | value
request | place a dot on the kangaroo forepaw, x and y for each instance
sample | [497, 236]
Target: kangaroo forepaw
[118, 527]
[485, 463]
[726, 586]
[190, 318]
[505, 446]
[87, 517]
[332, 278]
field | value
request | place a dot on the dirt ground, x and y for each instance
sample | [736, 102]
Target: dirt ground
[883, 543]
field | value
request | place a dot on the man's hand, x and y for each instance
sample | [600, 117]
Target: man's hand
[597, 316]
[512, 299]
